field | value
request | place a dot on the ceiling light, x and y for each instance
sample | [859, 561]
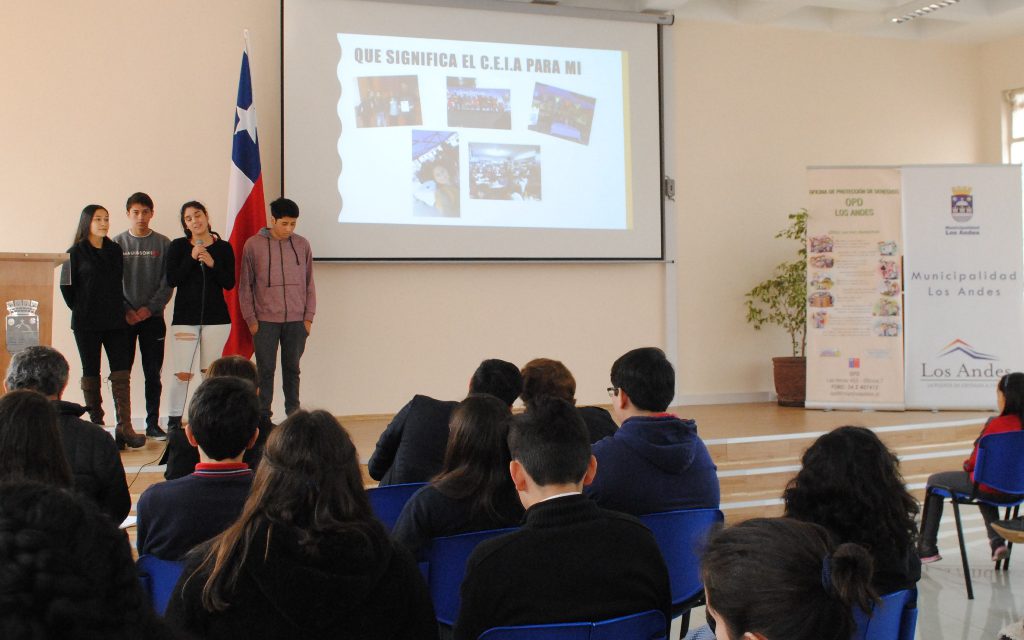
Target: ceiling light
[923, 11]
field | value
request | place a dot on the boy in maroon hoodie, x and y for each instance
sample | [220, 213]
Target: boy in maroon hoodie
[278, 300]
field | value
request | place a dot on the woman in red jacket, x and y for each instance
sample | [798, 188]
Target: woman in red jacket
[1010, 397]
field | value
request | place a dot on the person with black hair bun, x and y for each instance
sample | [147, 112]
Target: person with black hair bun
[850, 483]
[782, 579]
[306, 557]
[67, 570]
[1010, 400]
[473, 492]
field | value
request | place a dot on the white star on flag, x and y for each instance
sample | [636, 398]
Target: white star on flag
[247, 120]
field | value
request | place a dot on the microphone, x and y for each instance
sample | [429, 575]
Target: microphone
[199, 243]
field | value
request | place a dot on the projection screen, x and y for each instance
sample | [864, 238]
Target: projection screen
[425, 132]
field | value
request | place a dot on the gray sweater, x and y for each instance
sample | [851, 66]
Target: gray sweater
[145, 282]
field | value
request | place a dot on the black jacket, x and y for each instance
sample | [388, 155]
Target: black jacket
[346, 587]
[95, 461]
[199, 299]
[570, 562]
[411, 449]
[92, 286]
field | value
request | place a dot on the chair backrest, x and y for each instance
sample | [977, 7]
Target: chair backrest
[998, 462]
[387, 502]
[649, 625]
[158, 578]
[893, 618]
[681, 536]
[447, 559]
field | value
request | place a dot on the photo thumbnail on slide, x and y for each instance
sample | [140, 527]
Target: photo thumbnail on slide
[504, 171]
[389, 101]
[478, 107]
[435, 171]
[562, 113]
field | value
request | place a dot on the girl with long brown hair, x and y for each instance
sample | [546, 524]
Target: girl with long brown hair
[306, 558]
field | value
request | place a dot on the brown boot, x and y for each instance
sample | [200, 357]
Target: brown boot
[93, 399]
[120, 388]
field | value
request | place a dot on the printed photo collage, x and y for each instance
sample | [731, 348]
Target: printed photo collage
[496, 171]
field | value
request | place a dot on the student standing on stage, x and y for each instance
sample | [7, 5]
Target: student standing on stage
[201, 266]
[145, 294]
[278, 301]
[93, 288]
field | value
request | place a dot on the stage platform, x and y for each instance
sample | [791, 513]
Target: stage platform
[757, 447]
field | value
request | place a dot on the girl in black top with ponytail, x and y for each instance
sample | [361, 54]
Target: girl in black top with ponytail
[782, 579]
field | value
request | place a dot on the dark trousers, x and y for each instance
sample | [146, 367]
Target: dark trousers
[959, 481]
[116, 342]
[292, 338]
[150, 334]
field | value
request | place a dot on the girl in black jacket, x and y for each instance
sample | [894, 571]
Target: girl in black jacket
[91, 283]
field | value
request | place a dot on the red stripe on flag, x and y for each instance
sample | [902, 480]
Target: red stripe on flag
[250, 219]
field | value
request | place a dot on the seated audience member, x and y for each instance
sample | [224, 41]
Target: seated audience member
[544, 377]
[181, 457]
[306, 558]
[412, 447]
[1010, 399]
[655, 462]
[95, 462]
[176, 515]
[571, 561]
[473, 491]
[67, 570]
[30, 444]
[850, 483]
[782, 579]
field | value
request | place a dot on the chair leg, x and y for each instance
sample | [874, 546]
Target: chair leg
[1009, 544]
[963, 550]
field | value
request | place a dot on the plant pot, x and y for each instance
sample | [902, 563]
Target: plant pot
[790, 380]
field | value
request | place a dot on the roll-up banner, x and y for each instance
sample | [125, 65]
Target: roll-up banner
[964, 320]
[854, 286]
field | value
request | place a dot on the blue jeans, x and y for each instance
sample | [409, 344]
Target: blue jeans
[292, 338]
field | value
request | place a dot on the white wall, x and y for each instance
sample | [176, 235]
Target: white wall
[106, 98]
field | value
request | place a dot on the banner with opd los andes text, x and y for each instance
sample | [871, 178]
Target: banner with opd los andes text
[854, 306]
[964, 321]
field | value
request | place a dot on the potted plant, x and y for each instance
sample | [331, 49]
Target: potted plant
[782, 300]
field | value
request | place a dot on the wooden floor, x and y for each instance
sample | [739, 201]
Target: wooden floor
[757, 447]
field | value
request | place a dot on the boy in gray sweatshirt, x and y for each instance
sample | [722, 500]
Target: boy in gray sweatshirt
[278, 300]
[145, 294]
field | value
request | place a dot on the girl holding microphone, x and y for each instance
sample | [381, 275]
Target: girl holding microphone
[201, 266]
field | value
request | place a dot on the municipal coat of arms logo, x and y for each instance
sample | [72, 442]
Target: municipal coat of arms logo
[22, 325]
[962, 204]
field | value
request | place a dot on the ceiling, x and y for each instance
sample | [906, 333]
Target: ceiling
[967, 21]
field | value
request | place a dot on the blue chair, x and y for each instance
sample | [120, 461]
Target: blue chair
[387, 502]
[893, 618]
[1000, 465]
[158, 578]
[681, 536]
[446, 560]
[649, 625]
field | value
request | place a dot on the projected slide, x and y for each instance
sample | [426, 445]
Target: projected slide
[481, 134]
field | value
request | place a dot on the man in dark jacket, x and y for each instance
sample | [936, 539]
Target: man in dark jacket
[655, 462]
[91, 452]
[571, 561]
[411, 449]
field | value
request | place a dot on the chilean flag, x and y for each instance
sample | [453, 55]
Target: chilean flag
[246, 205]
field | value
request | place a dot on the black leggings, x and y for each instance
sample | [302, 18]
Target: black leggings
[116, 342]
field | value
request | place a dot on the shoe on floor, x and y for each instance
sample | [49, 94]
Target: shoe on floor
[928, 556]
[155, 432]
[999, 553]
[1012, 530]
